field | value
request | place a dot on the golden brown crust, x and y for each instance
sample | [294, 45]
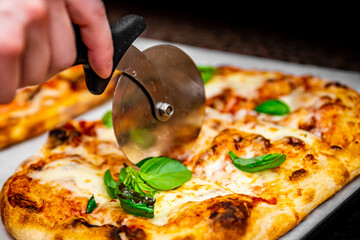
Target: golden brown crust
[320, 138]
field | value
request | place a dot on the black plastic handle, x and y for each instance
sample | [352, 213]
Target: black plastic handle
[124, 32]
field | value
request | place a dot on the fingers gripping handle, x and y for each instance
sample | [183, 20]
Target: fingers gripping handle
[124, 32]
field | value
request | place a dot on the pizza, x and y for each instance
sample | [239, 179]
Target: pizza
[37, 109]
[273, 147]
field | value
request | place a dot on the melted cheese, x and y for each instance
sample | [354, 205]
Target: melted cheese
[243, 84]
[299, 98]
[229, 177]
[83, 181]
[195, 190]
[105, 134]
[275, 132]
[80, 178]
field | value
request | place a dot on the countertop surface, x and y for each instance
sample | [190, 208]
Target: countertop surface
[305, 34]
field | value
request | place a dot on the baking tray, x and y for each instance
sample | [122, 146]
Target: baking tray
[11, 158]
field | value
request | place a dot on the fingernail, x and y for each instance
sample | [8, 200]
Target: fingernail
[108, 68]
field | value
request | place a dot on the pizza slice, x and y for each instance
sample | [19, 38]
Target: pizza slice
[39, 108]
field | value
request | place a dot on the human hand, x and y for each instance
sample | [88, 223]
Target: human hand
[37, 40]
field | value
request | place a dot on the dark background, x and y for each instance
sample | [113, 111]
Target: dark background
[308, 33]
[325, 35]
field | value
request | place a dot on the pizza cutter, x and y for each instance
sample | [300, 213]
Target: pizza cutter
[159, 101]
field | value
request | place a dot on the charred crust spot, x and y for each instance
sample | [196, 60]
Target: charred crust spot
[37, 166]
[115, 233]
[88, 129]
[266, 142]
[271, 80]
[230, 215]
[133, 233]
[325, 98]
[21, 201]
[59, 136]
[299, 192]
[214, 148]
[213, 215]
[333, 105]
[308, 125]
[310, 158]
[271, 201]
[298, 174]
[237, 140]
[335, 84]
[336, 148]
[77, 83]
[215, 124]
[80, 221]
[58, 237]
[293, 141]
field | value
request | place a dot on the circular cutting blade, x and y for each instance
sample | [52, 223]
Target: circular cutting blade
[138, 132]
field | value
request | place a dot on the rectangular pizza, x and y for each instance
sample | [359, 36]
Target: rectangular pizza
[273, 147]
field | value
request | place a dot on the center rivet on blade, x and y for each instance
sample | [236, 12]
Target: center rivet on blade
[165, 110]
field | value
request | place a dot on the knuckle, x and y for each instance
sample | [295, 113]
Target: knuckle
[97, 9]
[10, 47]
[62, 63]
[36, 9]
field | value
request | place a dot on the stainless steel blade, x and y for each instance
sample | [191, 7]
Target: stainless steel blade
[159, 102]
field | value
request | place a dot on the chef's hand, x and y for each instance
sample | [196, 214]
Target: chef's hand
[37, 40]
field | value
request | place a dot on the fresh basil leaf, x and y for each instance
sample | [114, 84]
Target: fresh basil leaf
[140, 209]
[273, 107]
[139, 164]
[122, 175]
[206, 72]
[91, 205]
[134, 203]
[133, 181]
[164, 173]
[107, 119]
[110, 184]
[258, 163]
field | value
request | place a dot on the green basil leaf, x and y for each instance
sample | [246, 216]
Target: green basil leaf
[258, 163]
[140, 209]
[206, 72]
[164, 173]
[133, 181]
[122, 175]
[110, 184]
[273, 107]
[134, 203]
[139, 164]
[91, 205]
[107, 119]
